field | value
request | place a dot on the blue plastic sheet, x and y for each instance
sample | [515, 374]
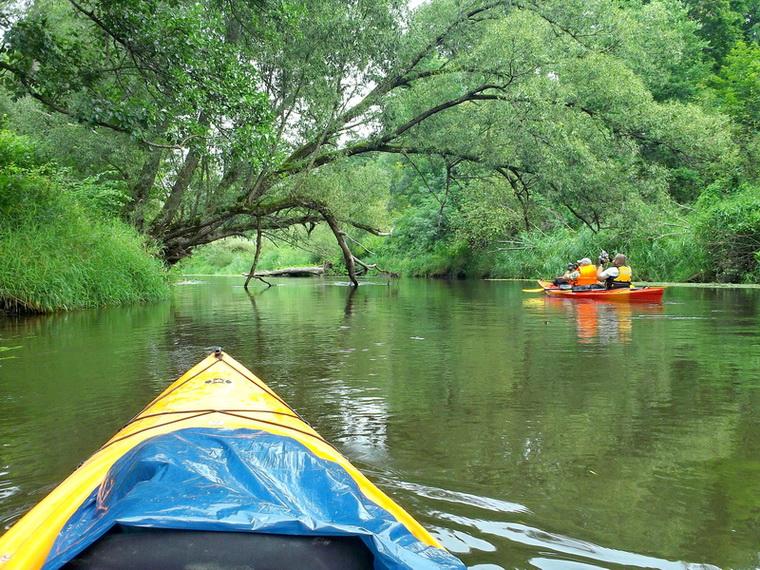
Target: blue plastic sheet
[239, 480]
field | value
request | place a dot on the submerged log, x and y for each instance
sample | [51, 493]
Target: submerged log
[291, 272]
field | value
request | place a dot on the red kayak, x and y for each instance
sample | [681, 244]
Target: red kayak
[648, 294]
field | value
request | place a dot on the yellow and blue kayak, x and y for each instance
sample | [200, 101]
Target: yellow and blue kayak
[218, 471]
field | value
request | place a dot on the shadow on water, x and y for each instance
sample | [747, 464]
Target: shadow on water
[525, 432]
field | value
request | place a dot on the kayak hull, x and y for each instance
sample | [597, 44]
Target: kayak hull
[644, 294]
[218, 450]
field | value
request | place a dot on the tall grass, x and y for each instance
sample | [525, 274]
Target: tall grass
[674, 257]
[682, 254]
[662, 244]
[533, 255]
[56, 253]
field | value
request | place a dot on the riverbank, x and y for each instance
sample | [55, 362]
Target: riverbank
[715, 243]
[656, 284]
[533, 281]
[675, 260]
[62, 245]
[704, 250]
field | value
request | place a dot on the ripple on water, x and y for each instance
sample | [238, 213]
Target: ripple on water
[556, 564]
[460, 542]
[436, 493]
[7, 488]
[557, 543]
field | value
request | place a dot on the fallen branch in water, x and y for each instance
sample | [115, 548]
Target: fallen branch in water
[290, 272]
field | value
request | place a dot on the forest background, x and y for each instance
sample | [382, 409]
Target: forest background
[456, 138]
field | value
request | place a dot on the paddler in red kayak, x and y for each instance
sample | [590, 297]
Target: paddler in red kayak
[583, 273]
[587, 273]
[568, 277]
[616, 276]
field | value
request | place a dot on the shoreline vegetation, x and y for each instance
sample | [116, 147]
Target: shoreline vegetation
[479, 139]
[683, 258]
[522, 280]
[63, 247]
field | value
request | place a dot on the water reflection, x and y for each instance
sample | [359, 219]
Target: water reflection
[489, 415]
[595, 321]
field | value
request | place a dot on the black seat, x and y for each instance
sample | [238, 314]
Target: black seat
[125, 548]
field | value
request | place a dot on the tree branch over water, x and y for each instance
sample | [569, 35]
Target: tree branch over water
[251, 117]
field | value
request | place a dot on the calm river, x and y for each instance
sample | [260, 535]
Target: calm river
[524, 432]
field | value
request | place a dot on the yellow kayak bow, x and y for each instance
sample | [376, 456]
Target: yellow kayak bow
[218, 407]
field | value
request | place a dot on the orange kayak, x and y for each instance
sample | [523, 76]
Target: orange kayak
[647, 294]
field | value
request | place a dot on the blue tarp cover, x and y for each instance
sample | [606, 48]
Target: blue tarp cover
[239, 480]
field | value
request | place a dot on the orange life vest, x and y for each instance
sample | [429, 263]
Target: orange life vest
[587, 275]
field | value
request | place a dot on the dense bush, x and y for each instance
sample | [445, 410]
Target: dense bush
[719, 240]
[60, 248]
[728, 227]
[661, 245]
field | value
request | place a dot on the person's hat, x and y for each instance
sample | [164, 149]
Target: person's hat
[584, 261]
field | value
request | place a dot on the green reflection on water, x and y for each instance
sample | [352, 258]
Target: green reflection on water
[524, 431]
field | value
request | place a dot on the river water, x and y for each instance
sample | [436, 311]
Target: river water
[524, 432]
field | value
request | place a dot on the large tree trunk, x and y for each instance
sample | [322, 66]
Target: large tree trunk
[174, 200]
[348, 257]
[141, 189]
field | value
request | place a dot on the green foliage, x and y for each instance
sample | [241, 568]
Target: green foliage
[718, 240]
[728, 226]
[231, 256]
[98, 195]
[61, 250]
[234, 256]
[487, 212]
[663, 47]
[670, 258]
[148, 74]
[518, 132]
[75, 146]
[723, 23]
[737, 85]
[339, 184]
[484, 234]
[674, 256]
[418, 230]
[15, 151]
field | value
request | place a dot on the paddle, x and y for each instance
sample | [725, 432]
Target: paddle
[533, 290]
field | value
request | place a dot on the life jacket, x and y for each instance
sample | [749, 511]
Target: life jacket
[624, 274]
[623, 279]
[587, 275]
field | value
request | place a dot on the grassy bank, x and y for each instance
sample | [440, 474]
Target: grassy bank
[676, 258]
[63, 247]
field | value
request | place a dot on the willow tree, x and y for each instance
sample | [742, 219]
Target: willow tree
[248, 115]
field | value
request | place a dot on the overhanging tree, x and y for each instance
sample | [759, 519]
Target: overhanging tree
[248, 114]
